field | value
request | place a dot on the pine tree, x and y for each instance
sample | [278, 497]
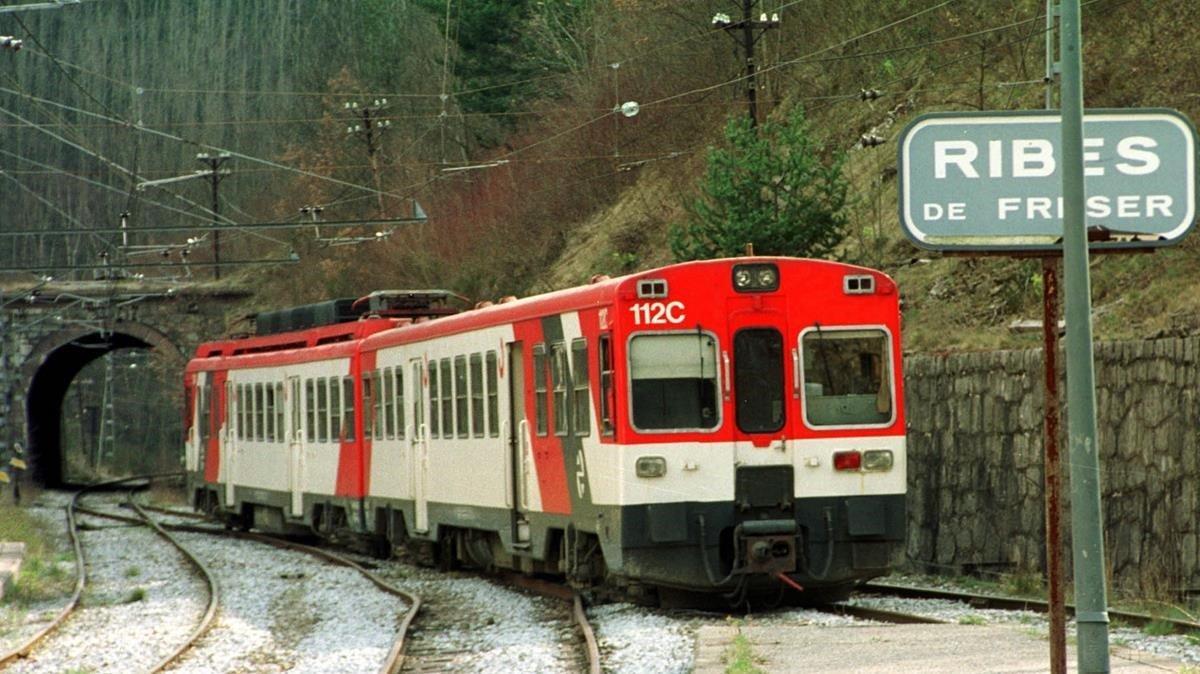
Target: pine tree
[770, 189]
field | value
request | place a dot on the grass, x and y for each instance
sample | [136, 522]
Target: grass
[739, 659]
[42, 576]
[135, 595]
[1158, 628]
[133, 572]
[972, 619]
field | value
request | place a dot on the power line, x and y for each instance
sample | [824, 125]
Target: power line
[203, 146]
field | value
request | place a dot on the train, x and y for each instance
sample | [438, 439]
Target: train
[726, 428]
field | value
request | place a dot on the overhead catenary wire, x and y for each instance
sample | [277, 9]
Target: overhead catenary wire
[198, 144]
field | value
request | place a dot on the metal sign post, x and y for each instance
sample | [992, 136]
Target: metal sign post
[1012, 183]
[1091, 601]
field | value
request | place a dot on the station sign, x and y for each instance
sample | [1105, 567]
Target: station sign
[990, 181]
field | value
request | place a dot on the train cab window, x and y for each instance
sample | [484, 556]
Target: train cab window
[607, 392]
[539, 388]
[846, 377]
[434, 405]
[460, 396]
[447, 399]
[348, 427]
[310, 409]
[560, 379]
[673, 381]
[758, 380]
[399, 389]
[476, 395]
[493, 396]
[582, 399]
[322, 410]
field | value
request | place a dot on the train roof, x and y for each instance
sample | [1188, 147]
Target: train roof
[375, 333]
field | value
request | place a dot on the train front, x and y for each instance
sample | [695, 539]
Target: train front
[762, 437]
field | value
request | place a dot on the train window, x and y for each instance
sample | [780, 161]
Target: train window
[279, 432]
[477, 395]
[369, 403]
[239, 408]
[230, 405]
[348, 427]
[399, 389]
[846, 378]
[335, 408]
[269, 412]
[310, 409]
[539, 387]
[582, 397]
[201, 414]
[560, 379]
[447, 399]
[607, 391]
[258, 413]
[758, 380]
[673, 378]
[493, 396]
[322, 410]
[460, 395]
[434, 405]
[382, 406]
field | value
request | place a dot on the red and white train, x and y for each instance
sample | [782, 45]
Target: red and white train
[720, 426]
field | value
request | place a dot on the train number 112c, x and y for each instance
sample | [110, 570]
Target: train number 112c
[657, 313]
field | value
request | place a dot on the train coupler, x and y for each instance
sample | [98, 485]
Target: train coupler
[768, 546]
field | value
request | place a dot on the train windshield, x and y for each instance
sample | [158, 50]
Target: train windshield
[846, 377]
[758, 379]
[674, 381]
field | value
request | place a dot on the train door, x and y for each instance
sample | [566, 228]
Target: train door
[519, 448]
[295, 445]
[228, 438]
[761, 386]
[420, 446]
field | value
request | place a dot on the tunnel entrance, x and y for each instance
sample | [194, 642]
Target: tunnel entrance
[58, 362]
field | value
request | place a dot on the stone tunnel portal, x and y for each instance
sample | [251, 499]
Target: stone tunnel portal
[51, 369]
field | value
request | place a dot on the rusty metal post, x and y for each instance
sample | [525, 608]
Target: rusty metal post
[1053, 470]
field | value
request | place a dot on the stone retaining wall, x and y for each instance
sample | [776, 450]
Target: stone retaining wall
[975, 461]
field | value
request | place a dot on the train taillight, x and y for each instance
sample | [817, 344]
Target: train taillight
[755, 278]
[851, 460]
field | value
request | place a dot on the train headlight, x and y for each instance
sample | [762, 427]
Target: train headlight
[877, 460]
[742, 278]
[755, 278]
[651, 466]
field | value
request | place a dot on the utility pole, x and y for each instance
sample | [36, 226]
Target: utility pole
[215, 173]
[1091, 596]
[368, 125]
[747, 32]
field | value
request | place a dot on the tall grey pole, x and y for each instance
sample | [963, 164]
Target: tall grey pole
[1091, 612]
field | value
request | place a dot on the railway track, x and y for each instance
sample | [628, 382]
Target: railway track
[989, 601]
[141, 518]
[74, 510]
[395, 657]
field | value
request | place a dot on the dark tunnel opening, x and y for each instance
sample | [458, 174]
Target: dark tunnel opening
[47, 391]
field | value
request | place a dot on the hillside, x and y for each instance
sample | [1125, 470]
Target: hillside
[503, 125]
